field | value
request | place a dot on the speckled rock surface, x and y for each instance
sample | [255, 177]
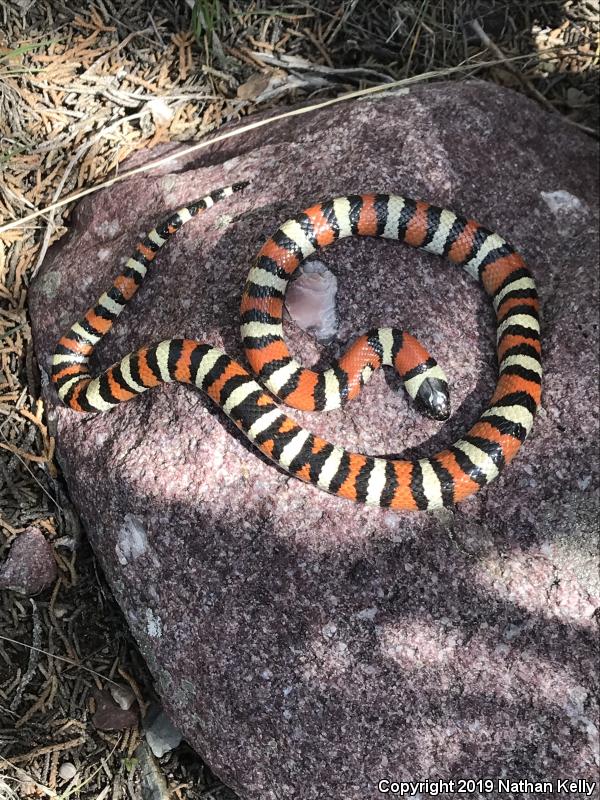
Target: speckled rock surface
[30, 566]
[307, 647]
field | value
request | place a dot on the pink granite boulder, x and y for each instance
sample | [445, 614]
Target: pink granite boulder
[305, 646]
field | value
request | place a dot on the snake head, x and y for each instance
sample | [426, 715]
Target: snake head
[433, 398]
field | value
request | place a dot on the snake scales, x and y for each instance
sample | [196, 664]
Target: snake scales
[442, 480]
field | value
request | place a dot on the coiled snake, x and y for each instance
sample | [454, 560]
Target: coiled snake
[442, 480]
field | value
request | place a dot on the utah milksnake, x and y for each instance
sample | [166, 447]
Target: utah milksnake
[442, 480]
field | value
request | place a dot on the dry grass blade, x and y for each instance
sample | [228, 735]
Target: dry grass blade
[59, 658]
[465, 69]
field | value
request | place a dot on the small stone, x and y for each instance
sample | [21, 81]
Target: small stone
[161, 735]
[30, 567]
[67, 771]
[111, 717]
[122, 695]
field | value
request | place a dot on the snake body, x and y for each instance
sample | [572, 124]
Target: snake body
[442, 480]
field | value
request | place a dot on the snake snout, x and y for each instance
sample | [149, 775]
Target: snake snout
[433, 399]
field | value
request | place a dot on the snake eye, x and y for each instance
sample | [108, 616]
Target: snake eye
[433, 399]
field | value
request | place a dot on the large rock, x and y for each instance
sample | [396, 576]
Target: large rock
[305, 646]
